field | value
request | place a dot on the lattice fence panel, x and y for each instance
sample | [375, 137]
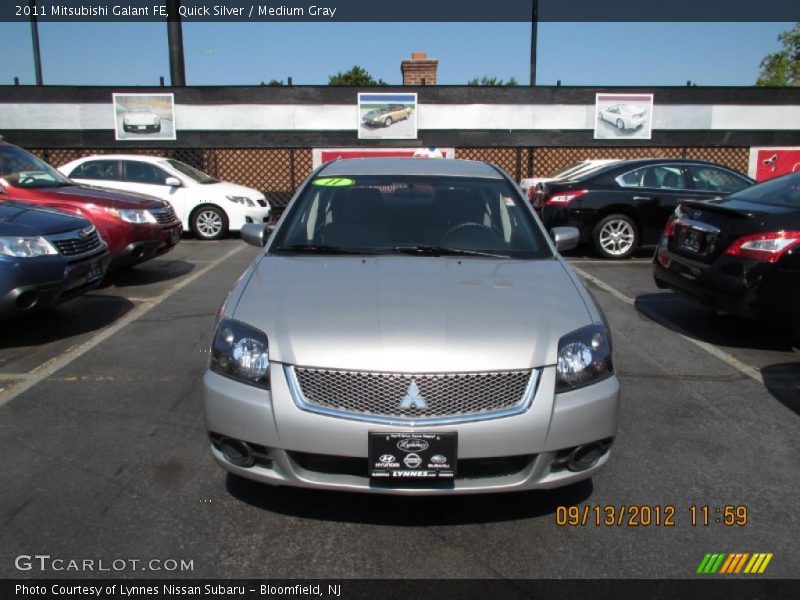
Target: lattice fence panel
[61, 156]
[508, 159]
[553, 159]
[734, 158]
[274, 171]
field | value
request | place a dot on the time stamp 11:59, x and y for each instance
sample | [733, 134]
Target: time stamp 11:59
[651, 515]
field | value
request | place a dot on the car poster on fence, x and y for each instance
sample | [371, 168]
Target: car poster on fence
[144, 117]
[623, 116]
[387, 116]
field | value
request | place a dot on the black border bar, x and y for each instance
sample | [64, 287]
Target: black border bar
[284, 11]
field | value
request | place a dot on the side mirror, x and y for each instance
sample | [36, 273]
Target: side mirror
[565, 238]
[172, 182]
[256, 234]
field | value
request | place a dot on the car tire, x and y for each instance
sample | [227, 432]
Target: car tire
[615, 236]
[209, 222]
[388, 121]
[620, 124]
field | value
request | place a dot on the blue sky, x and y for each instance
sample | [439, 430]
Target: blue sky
[593, 54]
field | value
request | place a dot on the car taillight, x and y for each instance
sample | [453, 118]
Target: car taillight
[564, 198]
[768, 247]
[669, 228]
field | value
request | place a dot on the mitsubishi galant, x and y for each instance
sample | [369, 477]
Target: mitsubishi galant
[410, 328]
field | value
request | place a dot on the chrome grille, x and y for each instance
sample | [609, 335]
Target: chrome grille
[444, 395]
[79, 242]
[164, 215]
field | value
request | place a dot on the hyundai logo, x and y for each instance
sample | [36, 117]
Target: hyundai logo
[413, 398]
[412, 461]
[387, 458]
[412, 445]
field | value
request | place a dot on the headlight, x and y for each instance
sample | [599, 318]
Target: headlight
[584, 357]
[26, 247]
[241, 200]
[131, 215]
[241, 352]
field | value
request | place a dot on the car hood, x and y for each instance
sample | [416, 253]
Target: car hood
[17, 218]
[411, 314]
[226, 188]
[83, 194]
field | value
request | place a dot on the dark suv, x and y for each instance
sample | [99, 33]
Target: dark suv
[626, 204]
[46, 257]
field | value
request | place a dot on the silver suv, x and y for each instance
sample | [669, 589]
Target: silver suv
[411, 329]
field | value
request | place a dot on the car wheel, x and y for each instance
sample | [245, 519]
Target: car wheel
[620, 124]
[388, 121]
[615, 236]
[209, 223]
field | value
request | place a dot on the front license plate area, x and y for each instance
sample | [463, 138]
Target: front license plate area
[408, 459]
[94, 272]
[174, 236]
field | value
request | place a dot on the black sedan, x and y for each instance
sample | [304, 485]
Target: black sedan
[46, 257]
[625, 205]
[740, 254]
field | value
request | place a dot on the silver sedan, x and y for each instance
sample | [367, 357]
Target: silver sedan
[410, 328]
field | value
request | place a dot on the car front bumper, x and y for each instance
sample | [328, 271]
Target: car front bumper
[239, 215]
[287, 436]
[134, 244]
[36, 283]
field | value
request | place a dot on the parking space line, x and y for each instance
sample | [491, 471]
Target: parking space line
[13, 376]
[729, 360]
[47, 369]
[620, 263]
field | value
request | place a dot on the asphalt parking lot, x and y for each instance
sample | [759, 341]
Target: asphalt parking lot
[105, 455]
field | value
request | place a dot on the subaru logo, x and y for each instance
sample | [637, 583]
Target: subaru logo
[412, 445]
[85, 233]
[413, 399]
[412, 461]
[438, 459]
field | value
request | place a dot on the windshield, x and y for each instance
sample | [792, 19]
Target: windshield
[22, 169]
[782, 191]
[190, 172]
[412, 215]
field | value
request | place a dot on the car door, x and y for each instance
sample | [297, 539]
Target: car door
[654, 191]
[150, 179]
[710, 181]
[103, 173]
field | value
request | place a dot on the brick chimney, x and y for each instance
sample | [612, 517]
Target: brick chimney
[420, 70]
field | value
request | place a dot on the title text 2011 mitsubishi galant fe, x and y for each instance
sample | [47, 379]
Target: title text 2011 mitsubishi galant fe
[410, 329]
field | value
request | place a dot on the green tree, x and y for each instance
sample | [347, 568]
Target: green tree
[356, 76]
[782, 68]
[492, 81]
[273, 82]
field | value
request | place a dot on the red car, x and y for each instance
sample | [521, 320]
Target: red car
[135, 227]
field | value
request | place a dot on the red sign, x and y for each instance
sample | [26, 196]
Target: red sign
[771, 162]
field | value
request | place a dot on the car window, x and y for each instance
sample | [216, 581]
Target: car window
[141, 172]
[716, 180]
[384, 214]
[189, 171]
[23, 169]
[97, 169]
[781, 191]
[655, 177]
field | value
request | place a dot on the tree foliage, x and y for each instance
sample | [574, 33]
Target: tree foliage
[492, 81]
[356, 76]
[782, 68]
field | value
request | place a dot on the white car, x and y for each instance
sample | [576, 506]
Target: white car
[210, 208]
[141, 120]
[528, 185]
[624, 116]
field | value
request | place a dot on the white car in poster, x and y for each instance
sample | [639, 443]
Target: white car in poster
[206, 206]
[141, 120]
[624, 116]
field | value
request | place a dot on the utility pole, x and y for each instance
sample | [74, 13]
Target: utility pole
[177, 67]
[534, 32]
[37, 58]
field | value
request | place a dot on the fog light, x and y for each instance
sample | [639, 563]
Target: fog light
[237, 452]
[584, 457]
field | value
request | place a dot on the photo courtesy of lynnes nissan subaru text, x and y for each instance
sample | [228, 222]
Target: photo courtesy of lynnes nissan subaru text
[410, 328]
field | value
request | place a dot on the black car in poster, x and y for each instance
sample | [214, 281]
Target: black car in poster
[740, 254]
[625, 205]
[46, 257]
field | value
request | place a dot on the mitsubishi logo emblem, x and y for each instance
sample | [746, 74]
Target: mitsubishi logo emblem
[413, 399]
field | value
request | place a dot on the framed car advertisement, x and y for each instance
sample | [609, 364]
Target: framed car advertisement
[387, 116]
[623, 116]
[144, 117]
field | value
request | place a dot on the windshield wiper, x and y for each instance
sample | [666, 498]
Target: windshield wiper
[436, 250]
[323, 249]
